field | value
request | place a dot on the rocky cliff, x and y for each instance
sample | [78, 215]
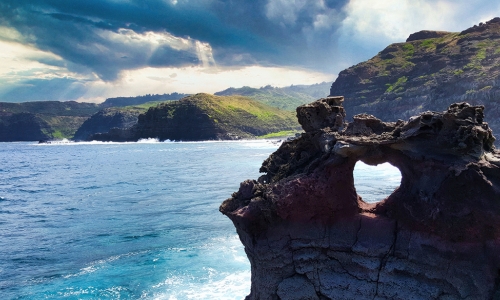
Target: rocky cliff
[42, 120]
[105, 120]
[430, 71]
[24, 127]
[205, 117]
[308, 235]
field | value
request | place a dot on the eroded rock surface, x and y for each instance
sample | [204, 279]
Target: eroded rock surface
[308, 235]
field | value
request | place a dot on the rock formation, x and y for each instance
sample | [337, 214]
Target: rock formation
[105, 120]
[430, 71]
[308, 235]
[23, 127]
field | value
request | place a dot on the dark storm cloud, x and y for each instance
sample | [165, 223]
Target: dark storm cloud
[101, 35]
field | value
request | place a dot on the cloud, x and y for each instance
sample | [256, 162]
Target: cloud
[105, 37]
[100, 43]
[153, 81]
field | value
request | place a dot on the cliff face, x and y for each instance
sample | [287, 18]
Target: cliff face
[205, 117]
[23, 127]
[308, 235]
[429, 72]
[106, 119]
[42, 120]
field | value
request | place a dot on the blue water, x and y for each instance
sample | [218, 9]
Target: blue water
[123, 220]
[375, 183]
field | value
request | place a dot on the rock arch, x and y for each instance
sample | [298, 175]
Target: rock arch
[303, 219]
[375, 183]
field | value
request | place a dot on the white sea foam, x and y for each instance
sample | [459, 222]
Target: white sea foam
[210, 282]
[262, 144]
[230, 286]
[148, 141]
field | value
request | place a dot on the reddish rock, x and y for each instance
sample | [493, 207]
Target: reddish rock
[308, 235]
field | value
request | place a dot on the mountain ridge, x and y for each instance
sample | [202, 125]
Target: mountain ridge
[287, 98]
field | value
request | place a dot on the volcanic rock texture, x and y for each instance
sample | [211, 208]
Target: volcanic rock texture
[308, 235]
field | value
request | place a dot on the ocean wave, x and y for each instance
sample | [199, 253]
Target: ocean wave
[226, 287]
[148, 141]
[102, 263]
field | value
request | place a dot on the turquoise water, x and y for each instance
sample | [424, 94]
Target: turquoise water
[123, 220]
[375, 183]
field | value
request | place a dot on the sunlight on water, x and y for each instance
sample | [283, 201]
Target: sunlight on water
[375, 183]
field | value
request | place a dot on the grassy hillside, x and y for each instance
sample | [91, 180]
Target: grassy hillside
[206, 117]
[286, 98]
[244, 113]
[62, 118]
[138, 100]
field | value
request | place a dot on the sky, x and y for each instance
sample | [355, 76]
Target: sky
[89, 50]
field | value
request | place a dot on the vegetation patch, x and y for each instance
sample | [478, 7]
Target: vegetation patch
[429, 44]
[409, 50]
[279, 134]
[481, 54]
[472, 66]
[58, 135]
[398, 86]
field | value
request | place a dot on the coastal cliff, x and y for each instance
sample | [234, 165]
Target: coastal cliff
[205, 117]
[105, 120]
[308, 235]
[23, 127]
[430, 71]
[42, 120]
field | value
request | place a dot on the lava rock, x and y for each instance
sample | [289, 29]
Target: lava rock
[309, 235]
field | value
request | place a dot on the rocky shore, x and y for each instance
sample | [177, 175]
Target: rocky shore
[308, 235]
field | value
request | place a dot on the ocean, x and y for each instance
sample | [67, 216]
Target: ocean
[131, 220]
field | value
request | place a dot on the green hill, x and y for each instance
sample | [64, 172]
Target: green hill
[287, 98]
[206, 117]
[138, 100]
